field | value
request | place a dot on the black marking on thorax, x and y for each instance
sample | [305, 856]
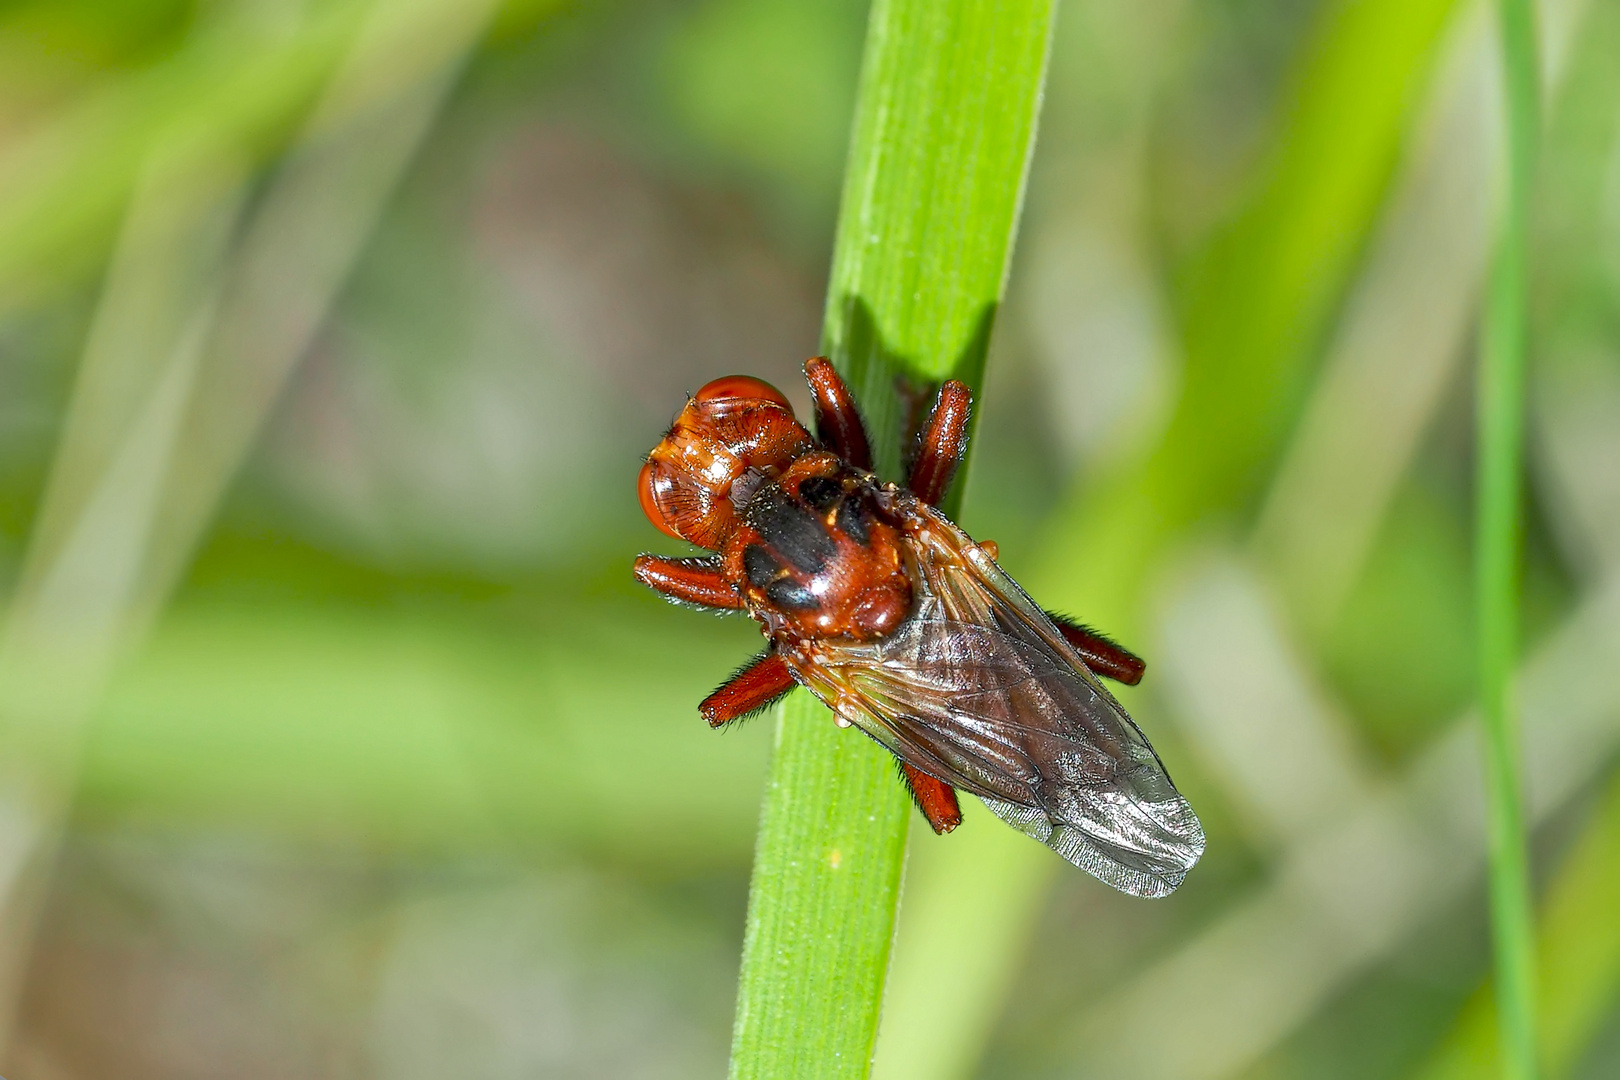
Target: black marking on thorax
[852, 516]
[789, 594]
[765, 572]
[798, 536]
[820, 493]
[793, 531]
[761, 566]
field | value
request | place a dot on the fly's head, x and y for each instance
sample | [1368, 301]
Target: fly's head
[732, 435]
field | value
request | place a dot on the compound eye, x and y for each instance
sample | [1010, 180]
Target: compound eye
[742, 386]
[649, 502]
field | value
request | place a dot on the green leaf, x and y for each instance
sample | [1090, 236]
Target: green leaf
[944, 125]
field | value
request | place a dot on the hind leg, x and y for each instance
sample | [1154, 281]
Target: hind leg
[935, 798]
[1101, 655]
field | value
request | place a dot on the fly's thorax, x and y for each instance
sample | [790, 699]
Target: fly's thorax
[817, 556]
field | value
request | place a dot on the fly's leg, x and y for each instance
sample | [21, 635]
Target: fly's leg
[755, 685]
[941, 443]
[939, 451]
[1101, 655]
[692, 581]
[935, 798]
[838, 422]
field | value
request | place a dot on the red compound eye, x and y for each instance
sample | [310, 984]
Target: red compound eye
[741, 386]
[649, 502]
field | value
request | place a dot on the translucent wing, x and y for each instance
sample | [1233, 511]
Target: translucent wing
[979, 689]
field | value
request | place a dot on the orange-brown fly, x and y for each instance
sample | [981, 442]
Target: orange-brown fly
[906, 628]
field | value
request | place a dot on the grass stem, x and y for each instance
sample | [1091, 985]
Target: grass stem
[944, 125]
[1500, 454]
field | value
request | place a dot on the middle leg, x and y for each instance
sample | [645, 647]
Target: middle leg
[940, 446]
[755, 685]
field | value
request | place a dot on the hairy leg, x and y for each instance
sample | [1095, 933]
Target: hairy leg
[754, 685]
[693, 581]
[1101, 655]
[935, 798]
[943, 439]
[940, 445]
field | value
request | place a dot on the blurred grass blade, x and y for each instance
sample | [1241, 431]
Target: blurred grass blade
[944, 125]
[70, 613]
[1356, 891]
[1578, 960]
[337, 725]
[309, 229]
[124, 514]
[1500, 439]
[1399, 346]
[948, 986]
[1577, 417]
[236, 84]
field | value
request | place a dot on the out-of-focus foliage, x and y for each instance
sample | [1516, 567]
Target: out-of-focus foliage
[331, 334]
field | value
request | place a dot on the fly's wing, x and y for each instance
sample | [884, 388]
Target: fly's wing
[979, 689]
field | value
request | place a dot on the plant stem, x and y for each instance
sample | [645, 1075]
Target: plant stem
[944, 125]
[1500, 442]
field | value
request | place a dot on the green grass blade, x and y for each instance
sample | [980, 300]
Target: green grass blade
[1500, 452]
[943, 129]
[1577, 956]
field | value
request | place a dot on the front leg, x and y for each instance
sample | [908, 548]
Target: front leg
[838, 421]
[691, 581]
[1102, 655]
[941, 443]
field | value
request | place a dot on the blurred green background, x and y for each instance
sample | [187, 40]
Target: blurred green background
[335, 740]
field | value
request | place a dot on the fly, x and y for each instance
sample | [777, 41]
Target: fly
[906, 627]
